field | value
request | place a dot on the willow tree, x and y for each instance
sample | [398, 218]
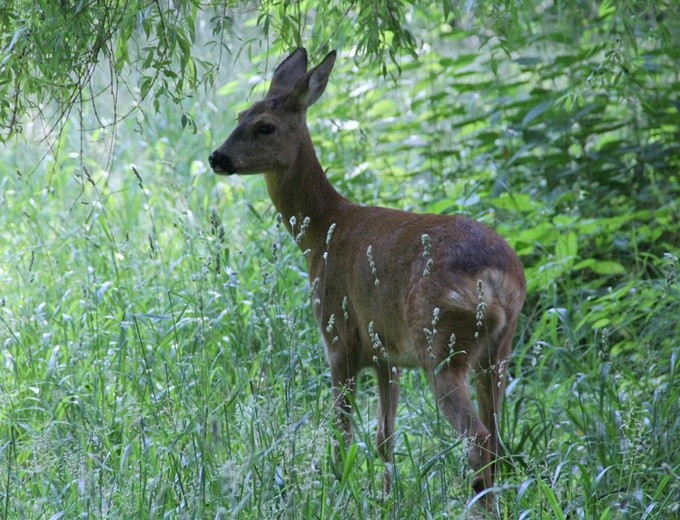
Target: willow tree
[51, 52]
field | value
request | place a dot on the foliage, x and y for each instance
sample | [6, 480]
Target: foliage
[54, 54]
[51, 51]
[61, 51]
[158, 356]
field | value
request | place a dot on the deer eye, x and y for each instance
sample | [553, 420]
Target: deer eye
[264, 129]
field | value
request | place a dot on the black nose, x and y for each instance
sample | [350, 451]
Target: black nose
[220, 162]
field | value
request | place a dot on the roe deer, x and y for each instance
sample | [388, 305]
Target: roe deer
[390, 289]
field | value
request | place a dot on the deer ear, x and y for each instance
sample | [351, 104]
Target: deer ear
[288, 73]
[315, 81]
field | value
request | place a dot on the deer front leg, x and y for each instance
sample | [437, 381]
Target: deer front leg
[343, 377]
[388, 398]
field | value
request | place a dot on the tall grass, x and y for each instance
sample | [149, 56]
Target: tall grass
[159, 357]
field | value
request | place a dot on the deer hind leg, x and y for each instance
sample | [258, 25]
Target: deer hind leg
[388, 397]
[453, 398]
[490, 385]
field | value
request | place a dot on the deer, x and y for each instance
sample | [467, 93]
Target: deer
[390, 289]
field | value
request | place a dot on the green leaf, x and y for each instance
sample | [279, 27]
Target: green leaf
[549, 494]
[349, 461]
[607, 8]
[566, 247]
[514, 202]
[229, 88]
[382, 109]
[537, 111]
[603, 267]
[608, 267]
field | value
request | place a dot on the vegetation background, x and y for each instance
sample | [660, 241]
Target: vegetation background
[158, 357]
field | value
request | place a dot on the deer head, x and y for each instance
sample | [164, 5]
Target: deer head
[269, 134]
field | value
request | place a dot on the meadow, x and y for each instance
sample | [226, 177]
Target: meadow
[158, 353]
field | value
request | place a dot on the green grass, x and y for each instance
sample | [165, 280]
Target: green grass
[159, 357]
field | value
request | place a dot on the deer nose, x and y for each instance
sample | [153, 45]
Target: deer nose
[220, 162]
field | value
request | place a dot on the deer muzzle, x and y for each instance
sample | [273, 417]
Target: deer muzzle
[221, 163]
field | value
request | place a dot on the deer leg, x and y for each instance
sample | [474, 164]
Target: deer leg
[343, 376]
[490, 385]
[388, 397]
[453, 398]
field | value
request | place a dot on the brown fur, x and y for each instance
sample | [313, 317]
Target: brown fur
[449, 310]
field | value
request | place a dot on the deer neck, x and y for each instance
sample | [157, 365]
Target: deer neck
[303, 191]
